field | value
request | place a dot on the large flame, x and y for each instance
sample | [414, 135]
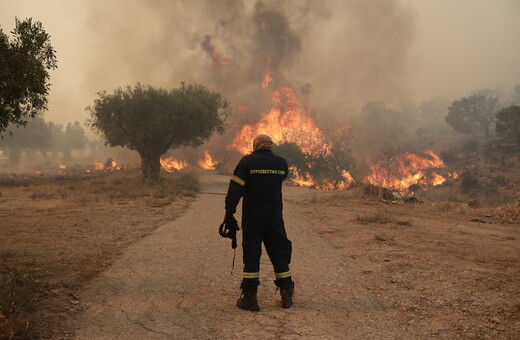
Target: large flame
[213, 53]
[406, 169]
[170, 164]
[287, 122]
[207, 163]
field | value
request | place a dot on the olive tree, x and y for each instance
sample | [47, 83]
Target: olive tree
[473, 113]
[508, 123]
[153, 120]
[25, 62]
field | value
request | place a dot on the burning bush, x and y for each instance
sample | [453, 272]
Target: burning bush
[326, 171]
[402, 171]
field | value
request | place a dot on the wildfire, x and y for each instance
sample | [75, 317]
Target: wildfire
[99, 166]
[406, 169]
[109, 165]
[304, 179]
[170, 164]
[213, 53]
[207, 163]
[285, 123]
[267, 74]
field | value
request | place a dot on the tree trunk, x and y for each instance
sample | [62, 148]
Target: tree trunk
[486, 129]
[151, 166]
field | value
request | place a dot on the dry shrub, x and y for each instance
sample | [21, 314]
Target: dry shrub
[113, 186]
[18, 292]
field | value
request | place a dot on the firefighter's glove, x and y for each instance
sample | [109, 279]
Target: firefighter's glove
[229, 228]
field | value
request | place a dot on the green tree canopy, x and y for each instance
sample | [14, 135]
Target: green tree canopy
[508, 123]
[25, 62]
[153, 120]
[473, 113]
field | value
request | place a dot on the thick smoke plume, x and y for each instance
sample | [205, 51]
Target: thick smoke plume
[350, 52]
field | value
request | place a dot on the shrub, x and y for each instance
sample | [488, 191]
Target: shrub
[501, 180]
[468, 182]
[18, 291]
[449, 156]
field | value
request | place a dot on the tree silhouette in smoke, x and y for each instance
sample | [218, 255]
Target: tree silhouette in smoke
[473, 113]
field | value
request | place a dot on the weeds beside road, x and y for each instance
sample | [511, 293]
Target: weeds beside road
[57, 233]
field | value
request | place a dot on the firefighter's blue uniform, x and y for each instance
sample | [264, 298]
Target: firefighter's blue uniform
[258, 179]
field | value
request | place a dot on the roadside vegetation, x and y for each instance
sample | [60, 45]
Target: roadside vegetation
[61, 231]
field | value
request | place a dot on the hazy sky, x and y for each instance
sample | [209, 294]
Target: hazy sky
[448, 47]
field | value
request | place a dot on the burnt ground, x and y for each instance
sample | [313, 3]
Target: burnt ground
[136, 268]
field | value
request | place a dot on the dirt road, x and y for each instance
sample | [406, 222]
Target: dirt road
[176, 284]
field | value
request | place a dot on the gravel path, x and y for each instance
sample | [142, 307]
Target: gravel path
[176, 284]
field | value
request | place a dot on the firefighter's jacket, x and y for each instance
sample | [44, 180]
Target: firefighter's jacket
[258, 179]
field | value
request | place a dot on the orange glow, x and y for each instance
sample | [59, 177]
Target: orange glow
[406, 169]
[267, 74]
[98, 166]
[207, 163]
[244, 108]
[287, 122]
[169, 164]
[214, 53]
[304, 179]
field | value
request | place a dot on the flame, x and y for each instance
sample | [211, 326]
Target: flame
[267, 74]
[169, 164]
[207, 163]
[98, 166]
[213, 53]
[109, 165]
[406, 169]
[304, 179]
[285, 123]
[301, 179]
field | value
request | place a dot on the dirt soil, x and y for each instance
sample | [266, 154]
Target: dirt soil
[64, 236]
[448, 271]
[363, 270]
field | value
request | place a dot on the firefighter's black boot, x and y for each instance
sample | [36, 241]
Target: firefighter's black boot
[286, 292]
[248, 299]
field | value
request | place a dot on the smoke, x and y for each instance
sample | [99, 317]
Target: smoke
[350, 52]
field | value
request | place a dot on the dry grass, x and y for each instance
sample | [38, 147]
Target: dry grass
[380, 217]
[67, 229]
[117, 185]
[18, 292]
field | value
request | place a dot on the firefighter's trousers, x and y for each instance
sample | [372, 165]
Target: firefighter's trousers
[270, 231]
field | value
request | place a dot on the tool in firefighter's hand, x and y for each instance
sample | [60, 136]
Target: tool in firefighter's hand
[228, 229]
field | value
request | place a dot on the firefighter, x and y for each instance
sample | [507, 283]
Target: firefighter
[258, 179]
